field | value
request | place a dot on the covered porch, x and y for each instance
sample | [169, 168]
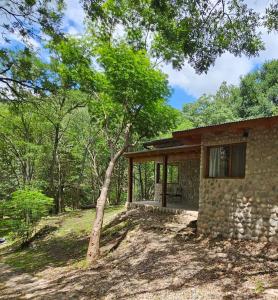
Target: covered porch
[174, 174]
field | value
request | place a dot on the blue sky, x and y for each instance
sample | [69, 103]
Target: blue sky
[179, 97]
[186, 84]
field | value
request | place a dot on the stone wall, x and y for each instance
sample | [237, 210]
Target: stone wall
[187, 187]
[189, 182]
[243, 208]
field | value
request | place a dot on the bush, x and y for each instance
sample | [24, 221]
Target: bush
[20, 215]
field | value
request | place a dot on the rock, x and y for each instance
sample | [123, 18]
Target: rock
[273, 223]
[177, 282]
[222, 255]
[263, 239]
[271, 291]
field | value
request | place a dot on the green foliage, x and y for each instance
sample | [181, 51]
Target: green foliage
[21, 214]
[26, 16]
[25, 21]
[271, 18]
[133, 92]
[180, 31]
[260, 287]
[61, 139]
[259, 91]
[68, 244]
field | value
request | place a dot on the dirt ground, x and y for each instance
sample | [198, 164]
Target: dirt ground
[160, 257]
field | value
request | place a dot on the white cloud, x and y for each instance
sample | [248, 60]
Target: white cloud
[271, 46]
[227, 68]
[74, 17]
[72, 30]
[258, 5]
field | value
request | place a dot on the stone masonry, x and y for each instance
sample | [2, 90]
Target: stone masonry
[244, 208]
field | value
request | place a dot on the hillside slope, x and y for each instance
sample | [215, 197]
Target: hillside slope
[155, 257]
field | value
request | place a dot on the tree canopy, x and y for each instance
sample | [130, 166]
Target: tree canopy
[180, 31]
[25, 21]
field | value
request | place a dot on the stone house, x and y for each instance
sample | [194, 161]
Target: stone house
[227, 172]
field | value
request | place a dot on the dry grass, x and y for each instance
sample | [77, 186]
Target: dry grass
[160, 258]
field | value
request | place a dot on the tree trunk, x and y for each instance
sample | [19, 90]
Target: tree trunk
[60, 191]
[76, 202]
[93, 249]
[52, 168]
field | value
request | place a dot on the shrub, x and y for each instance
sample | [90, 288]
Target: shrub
[20, 215]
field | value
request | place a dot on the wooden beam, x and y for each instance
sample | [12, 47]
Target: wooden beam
[163, 151]
[130, 180]
[194, 154]
[164, 181]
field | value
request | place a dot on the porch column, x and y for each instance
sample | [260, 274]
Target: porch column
[130, 180]
[164, 180]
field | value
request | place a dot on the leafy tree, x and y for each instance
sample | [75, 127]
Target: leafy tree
[22, 212]
[216, 109]
[131, 106]
[179, 31]
[22, 142]
[56, 111]
[259, 91]
[25, 20]
[271, 16]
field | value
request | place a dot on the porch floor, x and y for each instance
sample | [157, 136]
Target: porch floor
[169, 206]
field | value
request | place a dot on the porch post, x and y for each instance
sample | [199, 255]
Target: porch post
[164, 181]
[130, 180]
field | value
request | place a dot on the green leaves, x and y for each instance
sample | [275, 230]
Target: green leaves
[21, 214]
[258, 91]
[271, 18]
[131, 78]
[180, 31]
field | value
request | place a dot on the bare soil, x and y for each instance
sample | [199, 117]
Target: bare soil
[160, 257]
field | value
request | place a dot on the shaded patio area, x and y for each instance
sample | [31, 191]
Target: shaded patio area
[166, 177]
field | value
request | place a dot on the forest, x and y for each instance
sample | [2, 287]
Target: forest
[61, 144]
[71, 109]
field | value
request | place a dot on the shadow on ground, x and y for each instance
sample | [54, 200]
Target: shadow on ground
[160, 257]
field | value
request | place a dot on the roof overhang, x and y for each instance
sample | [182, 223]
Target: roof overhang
[186, 143]
[174, 153]
[237, 126]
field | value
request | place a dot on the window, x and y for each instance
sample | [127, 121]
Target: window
[172, 173]
[226, 161]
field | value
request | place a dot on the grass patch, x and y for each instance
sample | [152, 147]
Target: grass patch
[259, 287]
[65, 246]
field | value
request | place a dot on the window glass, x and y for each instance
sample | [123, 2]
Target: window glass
[238, 160]
[227, 161]
[219, 161]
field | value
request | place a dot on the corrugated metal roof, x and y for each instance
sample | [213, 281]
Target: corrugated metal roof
[250, 122]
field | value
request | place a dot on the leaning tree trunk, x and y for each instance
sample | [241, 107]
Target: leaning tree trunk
[93, 248]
